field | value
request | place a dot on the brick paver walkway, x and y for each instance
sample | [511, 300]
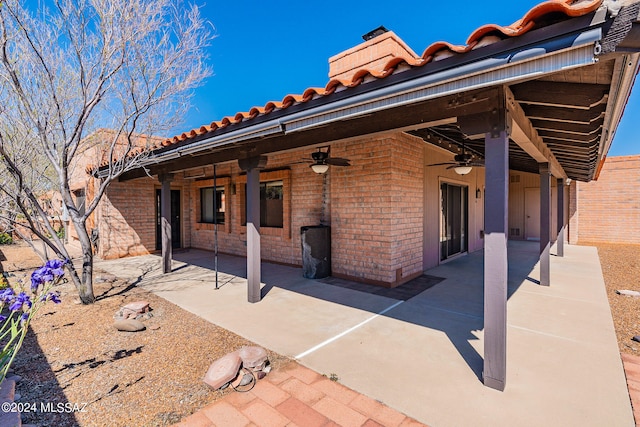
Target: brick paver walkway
[297, 396]
[632, 371]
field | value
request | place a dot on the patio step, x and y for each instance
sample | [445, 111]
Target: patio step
[631, 365]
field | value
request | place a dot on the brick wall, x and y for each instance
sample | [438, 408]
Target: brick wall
[608, 210]
[302, 206]
[376, 209]
[127, 217]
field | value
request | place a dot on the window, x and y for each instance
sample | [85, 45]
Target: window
[80, 201]
[271, 204]
[271, 207]
[206, 205]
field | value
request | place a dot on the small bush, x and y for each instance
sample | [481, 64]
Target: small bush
[5, 239]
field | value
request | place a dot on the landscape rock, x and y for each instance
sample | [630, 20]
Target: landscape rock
[223, 370]
[138, 306]
[129, 325]
[134, 310]
[15, 378]
[7, 389]
[628, 293]
[243, 378]
[253, 357]
[9, 418]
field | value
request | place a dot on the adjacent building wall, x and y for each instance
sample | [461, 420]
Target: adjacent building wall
[608, 210]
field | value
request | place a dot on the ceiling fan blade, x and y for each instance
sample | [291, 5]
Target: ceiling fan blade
[337, 161]
[443, 164]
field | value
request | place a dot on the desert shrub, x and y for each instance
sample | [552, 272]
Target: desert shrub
[5, 239]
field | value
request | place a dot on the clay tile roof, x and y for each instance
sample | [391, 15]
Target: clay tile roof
[141, 144]
[538, 16]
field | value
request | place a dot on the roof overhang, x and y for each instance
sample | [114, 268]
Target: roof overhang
[573, 136]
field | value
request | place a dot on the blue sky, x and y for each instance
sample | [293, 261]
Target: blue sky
[267, 49]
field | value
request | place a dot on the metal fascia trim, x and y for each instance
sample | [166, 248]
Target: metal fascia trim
[260, 130]
[494, 70]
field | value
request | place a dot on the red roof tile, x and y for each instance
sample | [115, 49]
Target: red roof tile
[536, 17]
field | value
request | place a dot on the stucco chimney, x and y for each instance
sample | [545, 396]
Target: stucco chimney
[373, 54]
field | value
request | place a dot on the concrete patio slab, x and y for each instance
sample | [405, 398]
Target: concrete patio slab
[423, 356]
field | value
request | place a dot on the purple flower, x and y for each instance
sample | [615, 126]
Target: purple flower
[6, 296]
[56, 267]
[51, 296]
[21, 300]
[38, 278]
[24, 317]
[2, 318]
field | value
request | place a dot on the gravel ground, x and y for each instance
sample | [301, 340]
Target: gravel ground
[154, 378]
[621, 270]
[74, 355]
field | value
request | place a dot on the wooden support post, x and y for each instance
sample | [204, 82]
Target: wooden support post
[545, 224]
[495, 260]
[165, 221]
[252, 166]
[495, 125]
[561, 225]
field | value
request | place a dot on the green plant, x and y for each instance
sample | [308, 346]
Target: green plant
[19, 308]
[5, 239]
[4, 282]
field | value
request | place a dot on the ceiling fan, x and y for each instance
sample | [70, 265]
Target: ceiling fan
[462, 163]
[321, 160]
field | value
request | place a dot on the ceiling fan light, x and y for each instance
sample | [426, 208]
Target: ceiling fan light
[462, 170]
[320, 168]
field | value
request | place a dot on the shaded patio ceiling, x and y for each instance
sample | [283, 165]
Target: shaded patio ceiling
[567, 109]
[565, 85]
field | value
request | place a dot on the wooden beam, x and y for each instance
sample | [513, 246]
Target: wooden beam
[555, 94]
[565, 136]
[525, 135]
[567, 115]
[580, 129]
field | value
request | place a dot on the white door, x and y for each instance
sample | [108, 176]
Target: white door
[532, 213]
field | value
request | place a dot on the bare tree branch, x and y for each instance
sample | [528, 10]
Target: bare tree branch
[71, 69]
